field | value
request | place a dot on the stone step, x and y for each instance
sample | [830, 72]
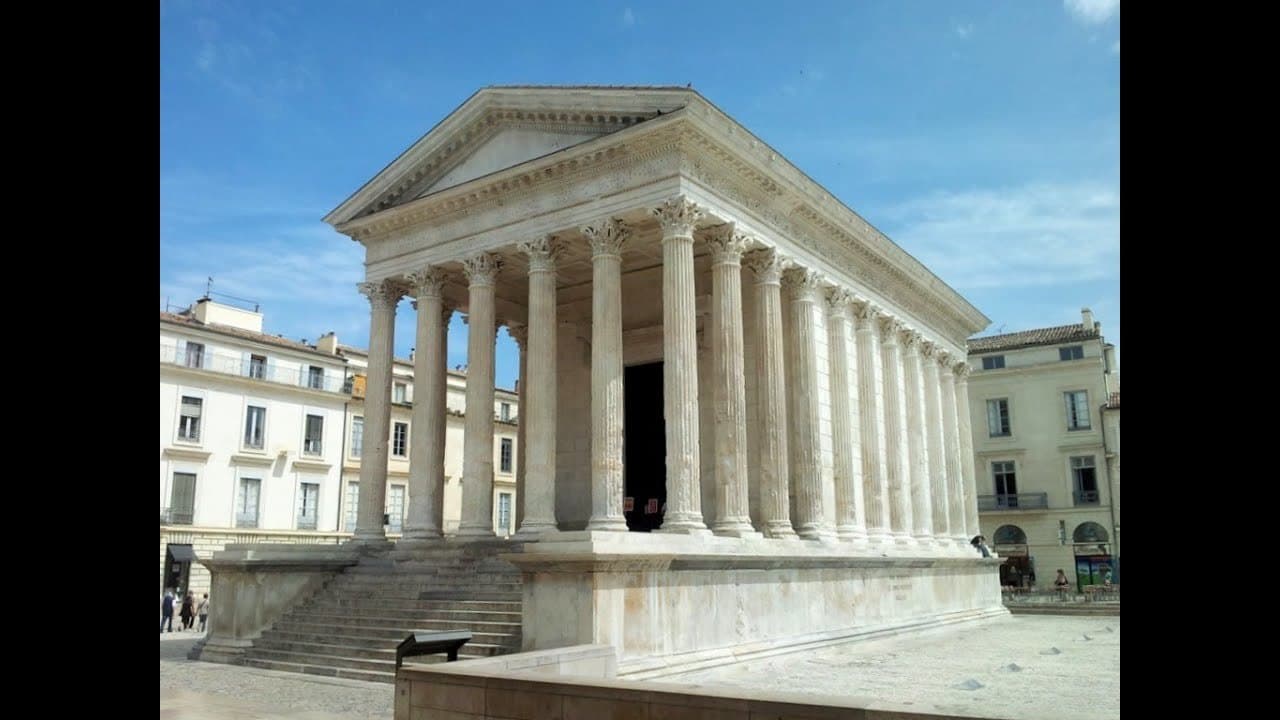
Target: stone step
[300, 667]
[357, 618]
[396, 632]
[369, 605]
[380, 638]
[409, 590]
[433, 600]
[376, 649]
[351, 663]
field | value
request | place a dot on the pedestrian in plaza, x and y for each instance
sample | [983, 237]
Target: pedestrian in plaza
[188, 612]
[203, 611]
[980, 543]
[1106, 576]
[166, 610]
[1061, 582]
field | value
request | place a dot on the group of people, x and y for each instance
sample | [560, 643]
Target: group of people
[188, 610]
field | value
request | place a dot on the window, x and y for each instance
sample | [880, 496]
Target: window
[311, 444]
[1006, 481]
[357, 436]
[1009, 535]
[315, 378]
[1085, 478]
[308, 502]
[182, 499]
[255, 423]
[195, 355]
[1077, 410]
[1072, 352]
[504, 514]
[352, 503]
[993, 362]
[258, 367]
[505, 465]
[400, 439]
[395, 509]
[247, 507]
[506, 412]
[400, 393]
[189, 419]
[998, 417]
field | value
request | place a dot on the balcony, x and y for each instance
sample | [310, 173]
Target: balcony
[237, 365]
[1086, 497]
[1019, 501]
[175, 516]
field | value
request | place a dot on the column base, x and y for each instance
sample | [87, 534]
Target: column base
[370, 544]
[530, 532]
[738, 532]
[607, 525]
[779, 530]
[475, 531]
[683, 529]
[407, 548]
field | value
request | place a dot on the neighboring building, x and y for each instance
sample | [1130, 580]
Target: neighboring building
[1045, 408]
[256, 440]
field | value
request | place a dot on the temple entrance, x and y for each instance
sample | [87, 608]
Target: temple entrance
[644, 447]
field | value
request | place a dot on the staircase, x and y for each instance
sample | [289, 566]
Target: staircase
[352, 626]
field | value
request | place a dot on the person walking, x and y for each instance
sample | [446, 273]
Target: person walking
[166, 610]
[188, 612]
[203, 611]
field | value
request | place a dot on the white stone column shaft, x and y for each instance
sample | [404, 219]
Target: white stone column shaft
[875, 473]
[775, 505]
[845, 430]
[606, 240]
[921, 500]
[677, 217]
[804, 287]
[477, 442]
[937, 457]
[733, 512]
[425, 519]
[897, 447]
[967, 465]
[520, 333]
[383, 297]
[951, 446]
[538, 398]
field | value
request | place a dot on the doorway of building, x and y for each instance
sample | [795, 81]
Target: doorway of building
[177, 568]
[644, 446]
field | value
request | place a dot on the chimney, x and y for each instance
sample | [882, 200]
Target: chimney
[411, 354]
[1110, 355]
[328, 343]
[1086, 316]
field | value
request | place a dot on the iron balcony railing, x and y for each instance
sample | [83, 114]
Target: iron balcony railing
[1086, 497]
[1018, 501]
[175, 517]
[230, 364]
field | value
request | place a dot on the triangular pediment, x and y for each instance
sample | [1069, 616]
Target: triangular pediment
[501, 127]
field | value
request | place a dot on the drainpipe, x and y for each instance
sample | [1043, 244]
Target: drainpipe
[342, 458]
[1106, 464]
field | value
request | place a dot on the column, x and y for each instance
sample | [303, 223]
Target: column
[967, 465]
[951, 447]
[383, 297]
[875, 474]
[933, 438]
[775, 506]
[803, 287]
[896, 443]
[733, 513]
[520, 333]
[606, 240]
[538, 398]
[477, 442]
[426, 447]
[677, 216]
[921, 500]
[846, 438]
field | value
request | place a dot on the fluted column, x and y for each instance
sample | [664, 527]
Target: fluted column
[951, 447]
[804, 288]
[845, 433]
[896, 440]
[875, 473]
[677, 217]
[383, 297]
[933, 438]
[477, 443]
[733, 512]
[538, 398]
[426, 447]
[606, 240]
[520, 333]
[918, 448]
[967, 468]
[775, 506]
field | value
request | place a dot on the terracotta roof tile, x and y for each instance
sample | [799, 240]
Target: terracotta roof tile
[1031, 338]
[190, 321]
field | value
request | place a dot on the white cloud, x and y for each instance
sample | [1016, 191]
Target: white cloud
[628, 17]
[964, 29]
[1092, 12]
[1034, 235]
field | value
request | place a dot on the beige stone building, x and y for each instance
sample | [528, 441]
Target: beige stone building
[1045, 413]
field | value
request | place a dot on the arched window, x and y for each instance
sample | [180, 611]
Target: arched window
[1089, 532]
[1009, 535]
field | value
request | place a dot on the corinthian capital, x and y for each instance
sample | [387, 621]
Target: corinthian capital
[890, 329]
[962, 371]
[607, 236]
[383, 294]
[767, 265]
[726, 244]
[518, 332]
[428, 282]
[866, 314]
[677, 216]
[542, 253]
[910, 340]
[929, 350]
[839, 300]
[482, 269]
[945, 361]
[802, 284]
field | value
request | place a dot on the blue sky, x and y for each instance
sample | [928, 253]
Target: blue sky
[982, 137]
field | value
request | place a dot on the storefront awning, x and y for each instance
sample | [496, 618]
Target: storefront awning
[182, 553]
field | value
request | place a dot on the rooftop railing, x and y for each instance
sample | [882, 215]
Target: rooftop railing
[1017, 501]
[232, 364]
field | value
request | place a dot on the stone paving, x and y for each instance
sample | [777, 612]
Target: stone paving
[1031, 666]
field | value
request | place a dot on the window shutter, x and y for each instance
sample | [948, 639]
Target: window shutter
[206, 357]
[181, 357]
[271, 370]
[302, 374]
[244, 364]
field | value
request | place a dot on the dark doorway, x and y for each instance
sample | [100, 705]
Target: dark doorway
[177, 568]
[644, 448]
